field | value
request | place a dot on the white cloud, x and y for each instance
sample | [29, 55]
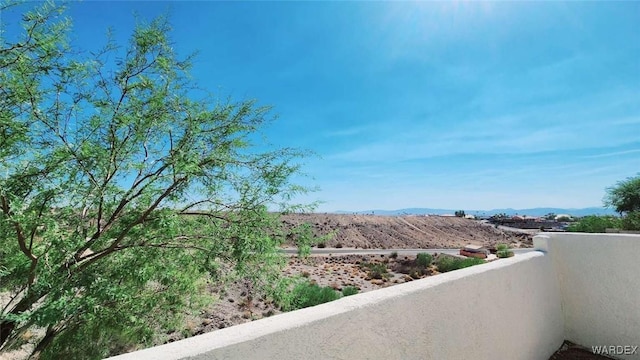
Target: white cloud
[616, 153]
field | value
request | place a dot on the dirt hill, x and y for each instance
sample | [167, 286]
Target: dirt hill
[405, 232]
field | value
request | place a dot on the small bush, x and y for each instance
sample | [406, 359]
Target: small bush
[339, 246]
[424, 259]
[321, 245]
[503, 251]
[394, 255]
[446, 263]
[376, 271]
[416, 273]
[500, 247]
[306, 294]
[349, 290]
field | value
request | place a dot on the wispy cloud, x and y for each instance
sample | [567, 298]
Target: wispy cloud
[611, 154]
[561, 126]
[346, 132]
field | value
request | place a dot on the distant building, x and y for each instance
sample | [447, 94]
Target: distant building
[524, 218]
[563, 216]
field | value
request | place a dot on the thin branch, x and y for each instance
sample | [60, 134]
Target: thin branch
[91, 258]
[205, 214]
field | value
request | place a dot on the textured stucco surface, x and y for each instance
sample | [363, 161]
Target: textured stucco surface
[508, 309]
[599, 278]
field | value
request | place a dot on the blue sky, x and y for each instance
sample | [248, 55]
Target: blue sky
[460, 105]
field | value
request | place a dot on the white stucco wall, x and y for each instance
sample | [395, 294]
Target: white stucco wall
[599, 277]
[508, 309]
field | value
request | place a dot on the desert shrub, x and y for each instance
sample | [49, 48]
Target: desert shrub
[321, 245]
[376, 271]
[339, 246]
[349, 290]
[424, 259]
[503, 251]
[416, 273]
[305, 294]
[394, 255]
[446, 263]
[595, 224]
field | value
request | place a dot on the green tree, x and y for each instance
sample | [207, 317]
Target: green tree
[624, 196]
[123, 192]
[595, 224]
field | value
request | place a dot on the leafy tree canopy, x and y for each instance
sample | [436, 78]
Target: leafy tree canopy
[595, 224]
[624, 196]
[122, 194]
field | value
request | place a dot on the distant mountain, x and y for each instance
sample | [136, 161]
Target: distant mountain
[509, 211]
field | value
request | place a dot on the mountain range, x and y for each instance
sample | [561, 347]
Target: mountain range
[508, 211]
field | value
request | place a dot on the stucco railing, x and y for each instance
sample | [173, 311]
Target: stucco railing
[507, 309]
[580, 287]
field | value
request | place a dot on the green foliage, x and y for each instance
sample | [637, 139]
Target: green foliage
[376, 270]
[595, 224]
[417, 272]
[349, 290]
[304, 294]
[448, 263]
[624, 196]
[424, 259]
[503, 251]
[500, 247]
[124, 190]
[302, 237]
[631, 221]
[394, 255]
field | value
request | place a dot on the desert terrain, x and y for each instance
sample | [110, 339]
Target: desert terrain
[339, 271]
[406, 232]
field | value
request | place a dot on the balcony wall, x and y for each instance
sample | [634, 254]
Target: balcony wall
[508, 309]
[599, 278]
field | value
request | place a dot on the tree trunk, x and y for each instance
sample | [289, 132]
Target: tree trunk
[43, 343]
[8, 326]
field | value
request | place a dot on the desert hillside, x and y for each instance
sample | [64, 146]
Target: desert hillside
[405, 232]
